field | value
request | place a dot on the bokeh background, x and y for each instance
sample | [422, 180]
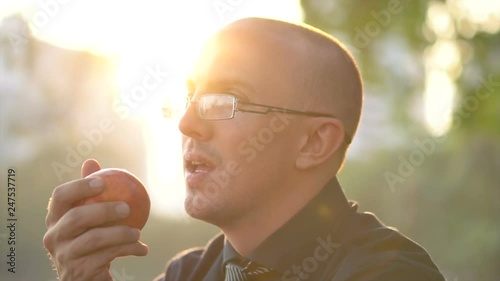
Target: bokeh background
[82, 79]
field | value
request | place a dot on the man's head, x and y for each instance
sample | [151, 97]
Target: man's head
[240, 166]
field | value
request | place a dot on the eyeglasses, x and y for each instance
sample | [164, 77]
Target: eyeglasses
[224, 106]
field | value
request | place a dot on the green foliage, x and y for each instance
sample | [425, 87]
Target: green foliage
[450, 201]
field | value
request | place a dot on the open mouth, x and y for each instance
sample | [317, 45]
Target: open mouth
[195, 162]
[198, 166]
[197, 169]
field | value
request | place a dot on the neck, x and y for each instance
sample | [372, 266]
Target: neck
[249, 231]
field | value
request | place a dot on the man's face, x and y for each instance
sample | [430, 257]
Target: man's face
[236, 167]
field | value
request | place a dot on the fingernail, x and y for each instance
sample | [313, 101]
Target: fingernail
[122, 210]
[96, 184]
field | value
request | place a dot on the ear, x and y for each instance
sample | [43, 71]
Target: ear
[325, 137]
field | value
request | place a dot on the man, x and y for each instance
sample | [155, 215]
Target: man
[272, 109]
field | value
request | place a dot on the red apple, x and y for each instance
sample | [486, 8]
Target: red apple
[121, 185]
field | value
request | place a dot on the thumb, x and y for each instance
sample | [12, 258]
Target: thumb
[90, 166]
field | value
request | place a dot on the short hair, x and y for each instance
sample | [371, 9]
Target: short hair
[330, 76]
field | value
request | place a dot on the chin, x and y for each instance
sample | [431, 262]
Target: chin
[197, 206]
[202, 208]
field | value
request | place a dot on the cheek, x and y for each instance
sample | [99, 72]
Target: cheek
[265, 151]
[257, 145]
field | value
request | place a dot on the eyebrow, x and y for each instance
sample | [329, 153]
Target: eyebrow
[224, 86]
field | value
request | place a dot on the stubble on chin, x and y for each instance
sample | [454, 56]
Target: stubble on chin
[198, 206]
[211, 211]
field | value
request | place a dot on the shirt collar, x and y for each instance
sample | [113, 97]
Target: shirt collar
[229, 254]
[297, 237]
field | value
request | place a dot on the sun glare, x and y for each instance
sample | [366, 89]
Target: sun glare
[157, 41]
[165, 155]
[145, 37]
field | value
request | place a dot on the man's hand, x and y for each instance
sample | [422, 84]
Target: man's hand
[79, 248]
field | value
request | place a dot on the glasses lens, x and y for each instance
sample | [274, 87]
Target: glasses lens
[214, 107]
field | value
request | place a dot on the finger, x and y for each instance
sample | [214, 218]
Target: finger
[90, 166]
[105, 256]
[102, 237]
[65, 196]
[79, 219]
[97, 264]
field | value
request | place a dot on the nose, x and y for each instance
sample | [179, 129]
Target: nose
[193, 126]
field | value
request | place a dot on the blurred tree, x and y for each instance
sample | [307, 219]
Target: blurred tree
[448, 196]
